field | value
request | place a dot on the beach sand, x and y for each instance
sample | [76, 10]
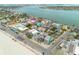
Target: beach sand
[10, 47]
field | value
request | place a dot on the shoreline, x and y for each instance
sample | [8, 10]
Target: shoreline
[61, 7]
[20, 43]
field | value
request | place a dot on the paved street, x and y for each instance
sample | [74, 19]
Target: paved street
[58, 41]
[33, 44]
[26, 41]
[10, 47]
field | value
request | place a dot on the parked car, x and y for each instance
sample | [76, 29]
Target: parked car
[14, 30]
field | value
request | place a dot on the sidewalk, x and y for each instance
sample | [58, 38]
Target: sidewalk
[8, 46]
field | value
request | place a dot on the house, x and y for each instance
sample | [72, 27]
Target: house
[64, 28]
[19, 27]
[39, 38]
[76, 52]
[64, 44]
[34, 31]
[39, 24]
[48, 39]
[58, 26]
[41, 29]
[45, 21]
[44, 38]
[31, 21]
[71, 47]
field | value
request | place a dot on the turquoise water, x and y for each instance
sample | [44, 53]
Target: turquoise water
[70, 17]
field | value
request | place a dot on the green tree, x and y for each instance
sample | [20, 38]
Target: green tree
[29, 26]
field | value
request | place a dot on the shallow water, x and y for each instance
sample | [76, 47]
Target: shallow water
[70, 17]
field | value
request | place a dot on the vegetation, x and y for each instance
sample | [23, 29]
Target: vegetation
[29, 26]
[53, 29]
[12, 17]
[61, 7]
[24, 15]
[77, 36]
[29, 35]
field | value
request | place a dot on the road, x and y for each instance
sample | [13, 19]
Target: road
[25, 40]
[58, 41]
[33, 44]
[10, 47]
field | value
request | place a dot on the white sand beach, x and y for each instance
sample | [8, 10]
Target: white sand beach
[10, 47]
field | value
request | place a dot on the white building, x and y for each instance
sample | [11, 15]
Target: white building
[58, 26]
[20, 27]
[76, 50]
[33, 31]
[71, 47]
